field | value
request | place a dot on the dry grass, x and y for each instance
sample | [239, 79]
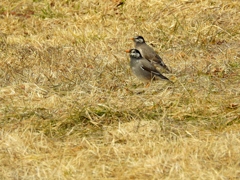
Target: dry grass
[70, 107]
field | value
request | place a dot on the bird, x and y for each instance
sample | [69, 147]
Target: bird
[142, 68]
[148, 53]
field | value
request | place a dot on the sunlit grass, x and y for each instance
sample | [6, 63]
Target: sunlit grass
[70, 108]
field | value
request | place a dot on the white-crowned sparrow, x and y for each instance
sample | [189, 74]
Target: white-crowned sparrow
[148, 53]
[142, 68]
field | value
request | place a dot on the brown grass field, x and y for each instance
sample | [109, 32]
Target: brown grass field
[70, 107]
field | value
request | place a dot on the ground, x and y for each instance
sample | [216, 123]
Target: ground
[70, 107]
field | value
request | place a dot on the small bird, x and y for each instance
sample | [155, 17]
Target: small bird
[142, 68]
[148, 53]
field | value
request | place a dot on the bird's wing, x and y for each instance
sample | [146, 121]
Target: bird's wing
[159, 61]
[147, 66]
[154, 57]
[149, 54]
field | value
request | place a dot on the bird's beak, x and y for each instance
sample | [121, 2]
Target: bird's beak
[131, 39]
[127, 51]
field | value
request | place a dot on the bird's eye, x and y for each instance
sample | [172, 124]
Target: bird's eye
[140, 40]
[135, 54]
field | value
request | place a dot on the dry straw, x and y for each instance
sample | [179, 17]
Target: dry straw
[70, 107]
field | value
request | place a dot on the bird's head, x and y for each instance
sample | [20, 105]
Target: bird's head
[138, 39]
[134, 53]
